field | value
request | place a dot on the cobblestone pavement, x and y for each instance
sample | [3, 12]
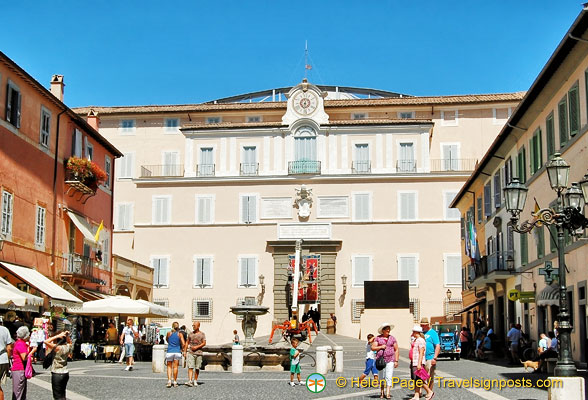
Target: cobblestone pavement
[89, 380]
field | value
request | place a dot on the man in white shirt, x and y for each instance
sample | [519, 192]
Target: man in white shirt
[127, 338]
[6, 343]
[514, 337]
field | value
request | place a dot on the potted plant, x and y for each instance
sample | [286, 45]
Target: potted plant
[85, 171]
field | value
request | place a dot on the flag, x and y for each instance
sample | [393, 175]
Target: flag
[97, 235]
[537, 208]
[308, 66]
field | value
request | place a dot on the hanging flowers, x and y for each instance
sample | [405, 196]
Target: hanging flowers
[85, 171]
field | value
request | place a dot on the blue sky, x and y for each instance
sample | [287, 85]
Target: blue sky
[154, 52]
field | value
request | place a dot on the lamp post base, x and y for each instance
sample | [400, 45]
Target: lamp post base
[565, 369]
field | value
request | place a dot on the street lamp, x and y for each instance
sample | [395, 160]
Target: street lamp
[568, 215]
[448, 294]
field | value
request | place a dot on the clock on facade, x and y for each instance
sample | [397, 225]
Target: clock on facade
[305, 103]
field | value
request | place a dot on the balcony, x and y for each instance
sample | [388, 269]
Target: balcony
[304, 167]
[497, 261]
[78, 268]
[490, 268]
[205, 170]
[406, 166]
[249, 169]
[85, 187]
[159, 171]
[453, 164]
[361, 167]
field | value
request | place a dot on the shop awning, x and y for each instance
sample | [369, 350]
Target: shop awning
[90, 295]
[58, 296]
[13, 298]
[470, 306]
[549, 296]
[82, 225]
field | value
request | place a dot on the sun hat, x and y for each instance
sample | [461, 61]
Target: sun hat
[385, 324]
[424, 321]
[417, 328]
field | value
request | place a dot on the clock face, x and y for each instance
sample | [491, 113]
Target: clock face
[305, 103]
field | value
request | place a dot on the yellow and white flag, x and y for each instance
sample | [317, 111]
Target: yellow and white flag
[98, 231]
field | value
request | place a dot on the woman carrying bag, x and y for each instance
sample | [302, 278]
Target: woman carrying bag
[20, 353]
[417, 366]
[387, 348]
[61, 348]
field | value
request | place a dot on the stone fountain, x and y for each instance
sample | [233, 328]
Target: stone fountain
[249, 311]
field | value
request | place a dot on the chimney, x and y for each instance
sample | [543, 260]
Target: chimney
[92, 119]
[57, 86]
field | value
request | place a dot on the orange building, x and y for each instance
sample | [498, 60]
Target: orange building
[56, 191]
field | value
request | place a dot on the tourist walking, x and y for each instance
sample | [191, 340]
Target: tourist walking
[175, 345]
[127, 337]
[20, 353]
[196, 341]
[386, 347]
[61, 346]
[418, 362]
[370, 360]
[514, 337]
[464, 341]
[334, 319]
[433, 349]
[294, 362]
[6, 344]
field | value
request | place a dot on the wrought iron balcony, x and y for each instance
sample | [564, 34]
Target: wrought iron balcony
[158, 171]
[248, 169]
[453, 164]
[406, 166]
[361, 167]
[304, 167]
[497, 261]
[205, 170]
[78, 267]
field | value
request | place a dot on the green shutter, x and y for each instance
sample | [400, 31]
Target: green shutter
[562, 113]
[524, 249]
[574, 110]
[552, 238]
[522, 165]
[550, 132]
[540, 242]
[532, 155]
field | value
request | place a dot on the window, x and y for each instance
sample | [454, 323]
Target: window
[127, 126]
[124, 216]
[361, 268]
[206, 165]
[406, 162]
[76, 143]
[524, 249]
[497, 190]
[249, 165]
[500, 115]
[359, 115]
[406, 114]
[550, 135]
[171, 163]
[13, 100]
[574, 111]
[247, 271]
[126, 165]
[40, 227]
[357, 307]
[449, 118]
[203, 272]
[361, 164]
[452, 269]
[45, 127]
[408, 269]
[450, 160]
[248, 209]
[161, 210]
[333, 207]
[108, 170]
[305, 148]
[204, 209]
[106, 253]
[202, 310]
[522, 165]
[213, 120]
[414, 306]
[539, 233]
[487, 199]
[452, 214]
[362, 207]
[254, 118]
[536, 151]
[407, 206]
[562, 114]
[7, 204]
[479, 202]
[171, 125]
[89, 150]
[160, 267]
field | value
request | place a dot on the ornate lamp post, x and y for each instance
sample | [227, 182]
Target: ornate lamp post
[568, 214]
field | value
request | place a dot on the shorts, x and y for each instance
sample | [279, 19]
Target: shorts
[193, 361]
[4, 373]
[431, 370]
[171, 357]
[514, 347]
[129, 349]
[295, 368]
[370, 366]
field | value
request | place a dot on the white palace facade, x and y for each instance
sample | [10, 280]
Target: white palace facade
[214, 195]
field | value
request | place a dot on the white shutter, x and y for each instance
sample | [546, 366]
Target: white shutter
[247, 270]
[450, 157]
[120, 220]
[451, 213]
[408, 269]
[171, 163]
[161, 210]
[207, 272]
[361, 209]
[126, 163]
[361, 270]
[248, 209]
[453, 270]
[160, 271]
[203, 273]
[252, 208]
[407, 206]
[204, 209]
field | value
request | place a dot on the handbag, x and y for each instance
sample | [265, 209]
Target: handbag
[29, 367]
[380, 363]
[422, 374]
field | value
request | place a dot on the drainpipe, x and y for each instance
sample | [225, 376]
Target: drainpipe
[56, 162]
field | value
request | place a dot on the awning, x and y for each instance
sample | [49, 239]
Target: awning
[13, 298]
[90, 295]
[469, 307]
[82, 225]
[549, 296]
[58, 296]
[124, 306]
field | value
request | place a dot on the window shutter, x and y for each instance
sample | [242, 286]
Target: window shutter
[207, 278]
[497, 190]
[574, 111]
[362, 206]
[487, 200]
[532, 155]
[164, 271]
[130, 161]
[165, 208]
[450, 157]
[450, 213]
[9, 103]
[408, 270]
[524, 249]
[120, 221]
[550, 132]
[562, 111]
[251, 210]
[407, 206]
[453, 270]
[362, 270]
[247, 265]
[479, 201]
[204, 210]
[251, 271]
[18, 101]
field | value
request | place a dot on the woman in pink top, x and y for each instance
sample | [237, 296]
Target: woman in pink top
[387, 348]
[20, 352]
[418, 363]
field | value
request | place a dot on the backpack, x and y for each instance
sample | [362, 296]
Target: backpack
[48, 360]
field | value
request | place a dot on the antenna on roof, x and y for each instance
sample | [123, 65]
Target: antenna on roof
[307, 66]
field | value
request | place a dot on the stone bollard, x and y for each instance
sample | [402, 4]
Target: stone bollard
[338, 358]
[158, 357]
[237, 359]
[566, 388]
[322, 359]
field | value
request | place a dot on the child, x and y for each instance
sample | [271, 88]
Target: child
[235, 338]
[370, 359]
[294, 362]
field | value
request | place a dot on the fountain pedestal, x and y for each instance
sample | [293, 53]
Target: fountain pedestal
[249, 311]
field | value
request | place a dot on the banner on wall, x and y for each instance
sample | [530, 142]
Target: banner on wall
[308, 290]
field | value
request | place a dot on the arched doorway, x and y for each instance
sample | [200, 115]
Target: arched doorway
[123, 290]
[141, 295]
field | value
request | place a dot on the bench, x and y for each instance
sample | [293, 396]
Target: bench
[551, 362]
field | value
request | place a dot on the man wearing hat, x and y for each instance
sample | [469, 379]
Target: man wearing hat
[433, 348]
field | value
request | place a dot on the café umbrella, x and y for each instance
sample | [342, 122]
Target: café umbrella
[124, 306]
[11, 297]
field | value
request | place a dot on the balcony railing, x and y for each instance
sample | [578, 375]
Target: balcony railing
[248, 169]
[497, 261]
[406, 165]
[361, 167]
[205, 170]
[167, 170]
[79, 265]
[304, 167]
[453, 164]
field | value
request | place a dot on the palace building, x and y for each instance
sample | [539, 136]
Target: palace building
[213, 196]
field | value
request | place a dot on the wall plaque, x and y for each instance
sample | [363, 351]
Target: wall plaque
[276, 207]
[321, 230]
